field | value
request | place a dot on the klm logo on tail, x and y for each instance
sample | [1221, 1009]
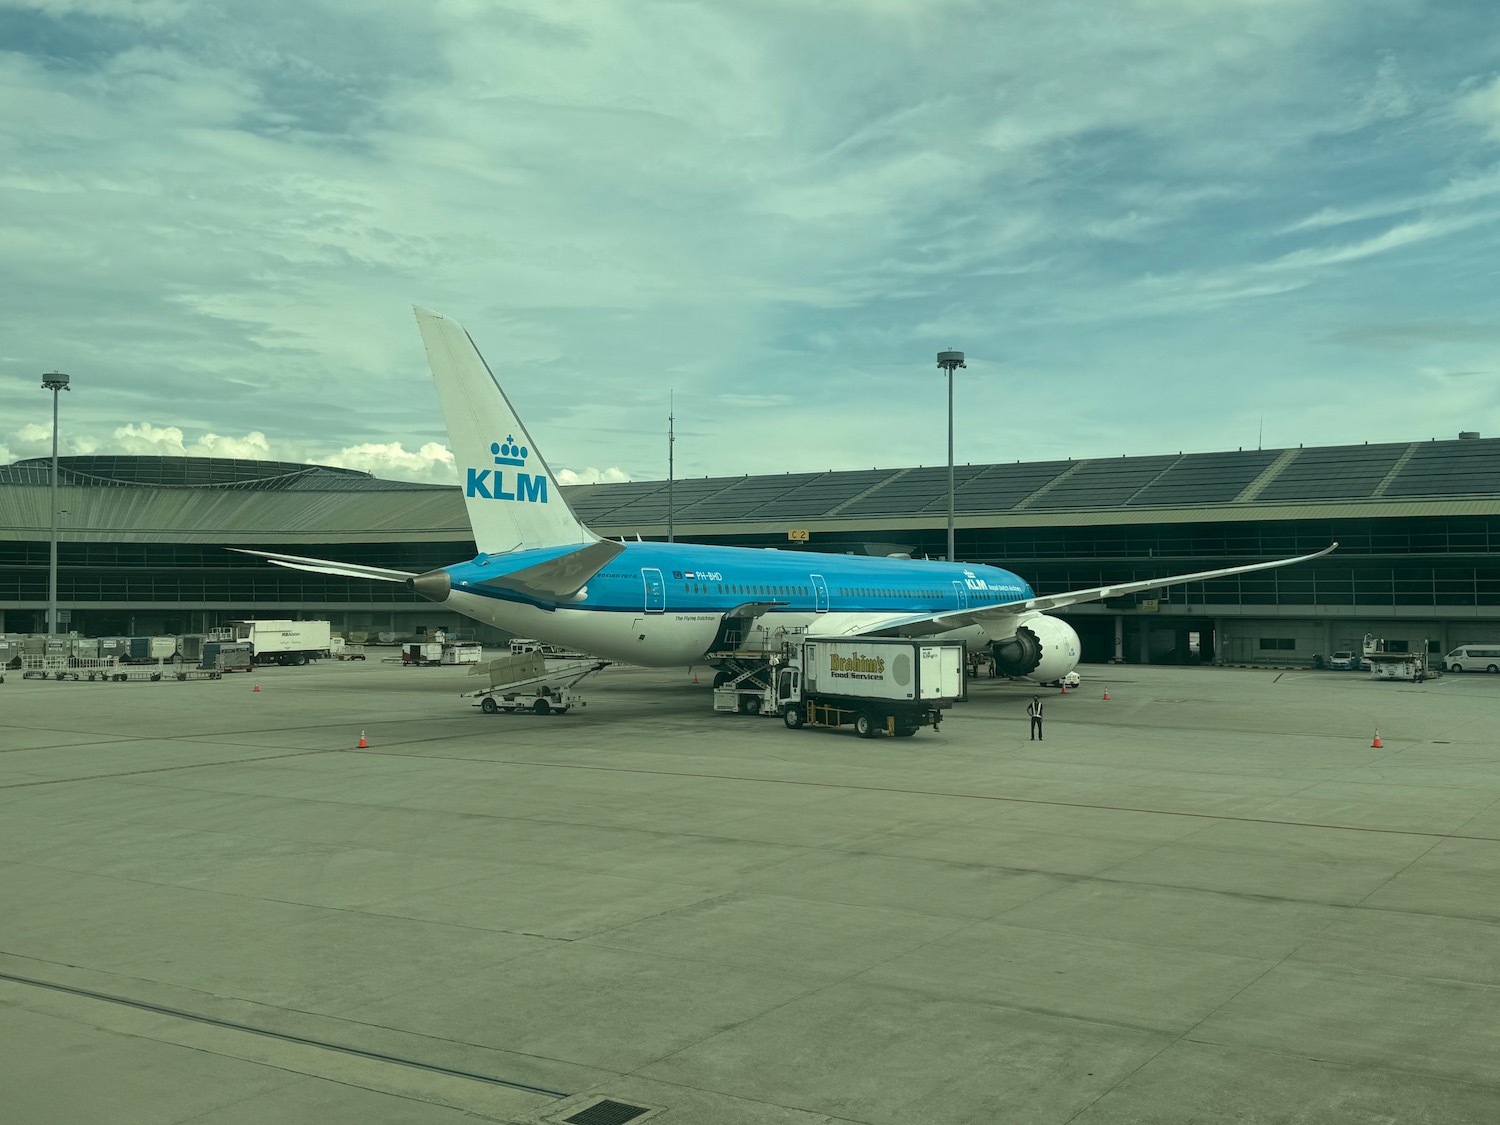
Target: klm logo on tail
[489, 484]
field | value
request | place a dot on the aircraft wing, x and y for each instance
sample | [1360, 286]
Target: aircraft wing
[325, 566]
[923, 625]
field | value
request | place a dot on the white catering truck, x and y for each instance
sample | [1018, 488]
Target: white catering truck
[283, 642]
[873, 684]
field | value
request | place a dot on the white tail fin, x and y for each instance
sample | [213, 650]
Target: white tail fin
[512, 497]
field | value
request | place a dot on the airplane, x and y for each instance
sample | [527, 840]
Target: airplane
[541, 573]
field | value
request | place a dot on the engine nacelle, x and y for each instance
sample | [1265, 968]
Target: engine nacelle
[1043, 648]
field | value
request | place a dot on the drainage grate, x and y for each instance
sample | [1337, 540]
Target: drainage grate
[606, 1113]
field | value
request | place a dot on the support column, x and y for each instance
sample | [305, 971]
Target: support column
[1119, 656]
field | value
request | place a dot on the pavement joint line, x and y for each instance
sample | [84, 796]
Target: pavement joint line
[286, 1037]
[939, 793]
[168, 769]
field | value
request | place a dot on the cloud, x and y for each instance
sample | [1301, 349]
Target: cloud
[432, 462]
[1482, 107]
[218, 222]
[611, 475]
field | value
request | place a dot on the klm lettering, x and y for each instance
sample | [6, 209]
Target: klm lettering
[489, 484]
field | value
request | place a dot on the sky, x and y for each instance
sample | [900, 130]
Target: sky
[1152, 225]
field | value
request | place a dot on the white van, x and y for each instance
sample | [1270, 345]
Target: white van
[1473, 658]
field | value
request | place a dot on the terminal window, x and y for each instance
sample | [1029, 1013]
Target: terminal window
[1278, 644]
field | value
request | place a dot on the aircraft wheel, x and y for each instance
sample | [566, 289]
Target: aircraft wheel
[905, 731]
[722, 677]
[864, 725]
[488, 705]
[541, 706]
[561, 711]
[793, 718]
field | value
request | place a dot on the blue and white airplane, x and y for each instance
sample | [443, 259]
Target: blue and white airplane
[541, 573]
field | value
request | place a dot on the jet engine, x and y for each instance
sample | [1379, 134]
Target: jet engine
[1043, 648]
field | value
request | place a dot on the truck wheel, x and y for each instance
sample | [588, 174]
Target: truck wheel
[489, 706]
[301, 659]
[864, 725]
[1492, 668]
[793, 717]
[750, 704]
[1456, 668]
[541, 706]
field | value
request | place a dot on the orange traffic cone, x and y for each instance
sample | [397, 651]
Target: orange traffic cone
[1376, 744]
[1065, 688]
[695, 675]
[255, 688]
[1106, 693]
[363, 745]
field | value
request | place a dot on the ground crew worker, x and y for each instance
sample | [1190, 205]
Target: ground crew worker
[1034, 710]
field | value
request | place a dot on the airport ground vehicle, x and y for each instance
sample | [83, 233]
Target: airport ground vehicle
[873, 684]
[1395, 663]
[340, 649]
[1345, 662]
[1473, 658]
[526, 682]
[227, 656]
[281, 642]
[522, 645]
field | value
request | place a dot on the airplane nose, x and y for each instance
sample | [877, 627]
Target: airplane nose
[435, 585]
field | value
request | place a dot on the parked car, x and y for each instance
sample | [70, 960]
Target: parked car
[1346, 661]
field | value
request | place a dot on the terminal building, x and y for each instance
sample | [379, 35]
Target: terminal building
[143, 542]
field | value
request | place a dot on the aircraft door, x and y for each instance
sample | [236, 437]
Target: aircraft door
[820, 593]
[656, 590]
[962, 593]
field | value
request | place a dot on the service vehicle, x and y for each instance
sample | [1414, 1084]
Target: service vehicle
[873, 684]
[226, 656]
[421, 654]
[281, 642]
[528, 682]
[1392, 661]
[1345, 662]
[341, 649]
[1473, 658]
[520, 646]
[462, 652]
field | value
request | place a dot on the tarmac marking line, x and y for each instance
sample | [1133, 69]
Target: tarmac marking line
[285, 1037]
[167, 769]
[944, 793]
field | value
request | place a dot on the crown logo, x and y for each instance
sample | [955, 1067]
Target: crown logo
[508, 452]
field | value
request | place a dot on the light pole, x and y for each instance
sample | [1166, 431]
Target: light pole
[671, 463]
[53, 381]
[949, 361]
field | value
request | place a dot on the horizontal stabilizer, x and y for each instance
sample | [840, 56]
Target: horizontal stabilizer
[326, 566]
[561, 577]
